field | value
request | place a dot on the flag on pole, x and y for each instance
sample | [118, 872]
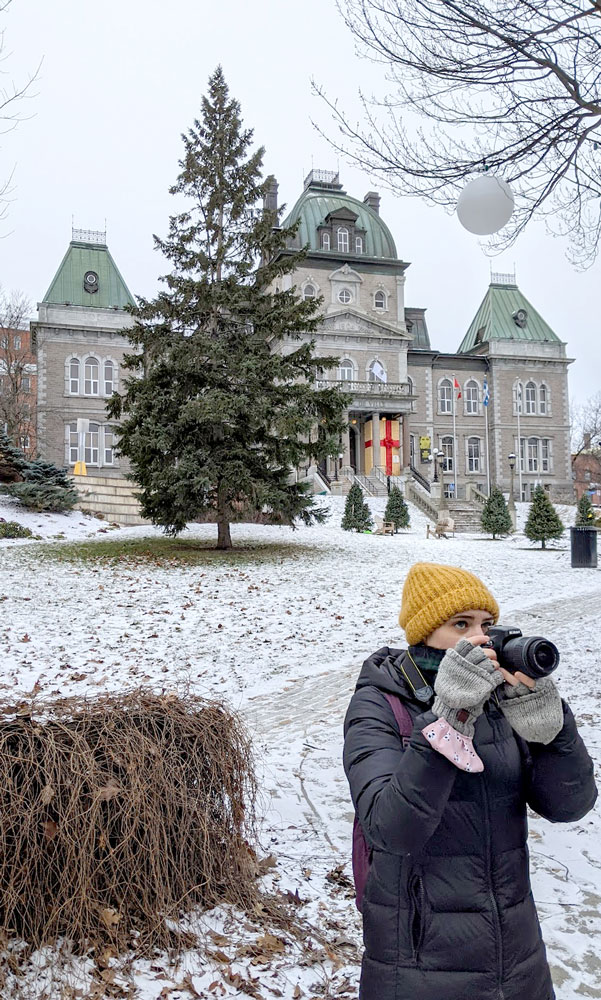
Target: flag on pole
[485, 392]
[457, 386]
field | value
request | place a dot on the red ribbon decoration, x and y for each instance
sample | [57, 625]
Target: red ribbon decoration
[389, 443]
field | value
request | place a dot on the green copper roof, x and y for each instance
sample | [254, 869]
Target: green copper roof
[315, 204]
[68, 282]
[496, 319]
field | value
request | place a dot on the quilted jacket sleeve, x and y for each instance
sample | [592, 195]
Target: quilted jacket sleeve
[561, 786]
[399, 795]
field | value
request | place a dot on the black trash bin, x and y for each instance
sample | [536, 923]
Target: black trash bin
[584, 548]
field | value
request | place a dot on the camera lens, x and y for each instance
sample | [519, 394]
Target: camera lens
[540, 657]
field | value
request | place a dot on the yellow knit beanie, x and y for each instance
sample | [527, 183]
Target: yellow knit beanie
[433, 593]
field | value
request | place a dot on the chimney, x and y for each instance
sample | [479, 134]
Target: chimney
[270, 198]
[587, 442]
[372, 200]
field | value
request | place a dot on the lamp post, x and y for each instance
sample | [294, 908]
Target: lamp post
[435, 455]
[511, 504]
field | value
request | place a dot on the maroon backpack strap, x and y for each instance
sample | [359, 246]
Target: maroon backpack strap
[401, 715]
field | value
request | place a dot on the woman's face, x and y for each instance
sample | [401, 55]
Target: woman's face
[461, 626]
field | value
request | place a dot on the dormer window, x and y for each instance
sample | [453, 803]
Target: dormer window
[380, 300]
[358, 244]
[325, 241]
[345, 296]
[309, 292]
[343, 243]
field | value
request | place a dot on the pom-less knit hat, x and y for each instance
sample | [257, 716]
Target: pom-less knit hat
[433, 593]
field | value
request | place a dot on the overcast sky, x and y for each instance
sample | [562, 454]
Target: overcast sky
[119, 82]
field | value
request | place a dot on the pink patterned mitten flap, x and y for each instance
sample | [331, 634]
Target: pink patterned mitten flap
[454, 746]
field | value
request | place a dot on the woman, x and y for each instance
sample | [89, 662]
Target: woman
[448, 913]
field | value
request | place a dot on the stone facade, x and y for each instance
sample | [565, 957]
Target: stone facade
[512, 359]
[80, 346]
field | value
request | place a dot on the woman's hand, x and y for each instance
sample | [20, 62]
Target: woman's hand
[466, 678]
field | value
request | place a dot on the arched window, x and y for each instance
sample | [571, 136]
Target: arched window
[446, 446]
[109, 378]
[377, 372]
[309, 292]
[346, 371]
[91, 444]
[532, 452]
[471, 396]
[343, 239]
[358, 244]
[543, 400]
[473, 454]
[345, 296]
[530, 397]
[91, 377]
[380, 300]
[445, 396]
[325, 241]
[545, 455]
[74, 368]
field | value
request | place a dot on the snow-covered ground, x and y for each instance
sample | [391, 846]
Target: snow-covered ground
[281, 633]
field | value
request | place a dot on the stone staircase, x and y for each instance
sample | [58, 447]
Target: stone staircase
[110, 498]
[466, 515]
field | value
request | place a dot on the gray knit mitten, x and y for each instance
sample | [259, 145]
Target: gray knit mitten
[466, 679]
[536, 716]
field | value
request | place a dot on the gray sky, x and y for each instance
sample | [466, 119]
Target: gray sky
[121, 80]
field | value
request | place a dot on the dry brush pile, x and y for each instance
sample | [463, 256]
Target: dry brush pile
[119, 816]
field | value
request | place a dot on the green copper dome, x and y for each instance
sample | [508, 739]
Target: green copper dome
[506, 314]
[107, 287]
[318, 201]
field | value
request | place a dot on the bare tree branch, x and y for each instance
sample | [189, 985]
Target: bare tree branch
[506, 85]
[12, 97]
[17, 372]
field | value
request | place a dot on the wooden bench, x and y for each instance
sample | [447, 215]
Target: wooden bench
[442, 529]
[383, 527]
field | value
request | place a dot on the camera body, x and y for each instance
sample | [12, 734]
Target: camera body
[534, 655]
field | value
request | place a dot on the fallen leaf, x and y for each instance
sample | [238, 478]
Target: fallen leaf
[297, 992]
[108, 791]
[109, 916]
[46, 794]
[50, 829]
[25, 638]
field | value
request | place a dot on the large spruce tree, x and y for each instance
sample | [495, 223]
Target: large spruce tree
[543, 520]
[222, 403]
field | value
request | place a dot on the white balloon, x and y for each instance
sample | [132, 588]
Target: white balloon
[485, 205]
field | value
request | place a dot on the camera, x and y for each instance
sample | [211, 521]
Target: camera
[533, 655]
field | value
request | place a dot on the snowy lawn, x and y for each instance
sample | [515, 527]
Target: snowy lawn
[279, 627]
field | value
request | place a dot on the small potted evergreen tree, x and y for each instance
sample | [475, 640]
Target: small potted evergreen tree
[357, 516]
[496, 518]
[397, 510]
[543, 522]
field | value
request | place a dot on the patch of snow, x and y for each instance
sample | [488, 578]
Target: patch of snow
[282, 637]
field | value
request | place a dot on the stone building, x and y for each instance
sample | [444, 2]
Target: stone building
[417, 413]
[80, 346]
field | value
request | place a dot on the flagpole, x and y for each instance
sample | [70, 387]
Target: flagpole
[487, 449]
[455, 465]
[518, 400]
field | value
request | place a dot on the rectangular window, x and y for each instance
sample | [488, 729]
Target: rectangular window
[91, 445]
[545, 447]
[25, 442]
[447, 454]
[74, 377]
[471, 398]
[26, 384]
[473, 455]
[73, 444]
[108, 446]
[532, 454]
[523, 454]
[445, 398]
[17, 342]
[542, 400]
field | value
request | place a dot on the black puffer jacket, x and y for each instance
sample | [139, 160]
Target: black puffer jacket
[448, 913]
